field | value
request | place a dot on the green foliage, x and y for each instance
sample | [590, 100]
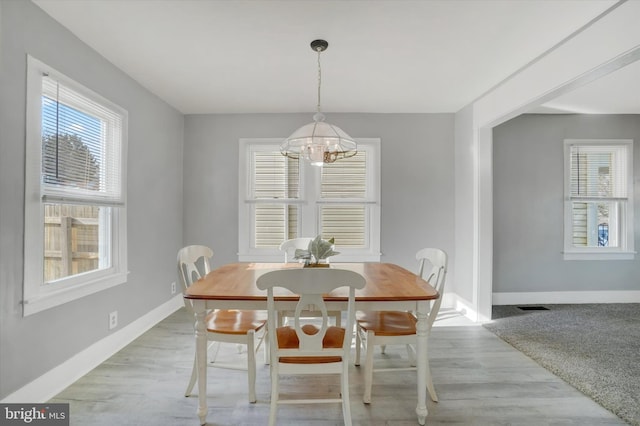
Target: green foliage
[318, 249]
[66, 160]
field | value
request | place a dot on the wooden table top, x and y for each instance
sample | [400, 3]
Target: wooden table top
[385, 282]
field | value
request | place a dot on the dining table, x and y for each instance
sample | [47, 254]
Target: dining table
[388, 287]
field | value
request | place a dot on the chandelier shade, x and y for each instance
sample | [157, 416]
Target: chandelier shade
[319, 142]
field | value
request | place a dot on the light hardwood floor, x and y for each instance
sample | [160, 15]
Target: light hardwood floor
[480, 380]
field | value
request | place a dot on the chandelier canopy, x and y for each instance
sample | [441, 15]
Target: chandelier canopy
[319, 142]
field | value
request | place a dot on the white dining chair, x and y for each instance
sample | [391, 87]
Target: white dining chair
[382, 328]
[304, 348]
[288, 248]
[223, 325]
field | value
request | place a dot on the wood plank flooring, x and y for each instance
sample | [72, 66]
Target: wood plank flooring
[480, 380]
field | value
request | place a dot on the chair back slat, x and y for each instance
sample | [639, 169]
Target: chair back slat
[310, 284]
[436, 273]
[307, 302]
[432, 266]
[189, 271]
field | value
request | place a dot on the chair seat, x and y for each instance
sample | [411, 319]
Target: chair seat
[223, 326]
[287, 339]
[399, 327]
[232, 321]
[387, 323]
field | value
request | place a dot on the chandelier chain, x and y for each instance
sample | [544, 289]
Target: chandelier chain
[319, 78]
[319, 142]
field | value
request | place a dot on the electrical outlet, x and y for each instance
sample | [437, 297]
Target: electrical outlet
[113, 320]
[173, 287]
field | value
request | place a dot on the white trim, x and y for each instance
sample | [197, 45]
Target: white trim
[466, 308]
[55, 380]
[49, 299]
[561, 297]
[598, 255]
[38, 296]
[624, 248]
[483, 224]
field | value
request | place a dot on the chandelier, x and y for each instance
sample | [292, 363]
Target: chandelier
[319, 142]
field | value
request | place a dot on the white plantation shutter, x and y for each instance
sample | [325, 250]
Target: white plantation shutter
[345, 223]
[345, 181]
[275, 223]
[270, 225]
[282, 198]
[82, 148]
[346, 178]
[275, 178]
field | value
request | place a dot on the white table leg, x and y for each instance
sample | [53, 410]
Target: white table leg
[421, 354]
[201, 357]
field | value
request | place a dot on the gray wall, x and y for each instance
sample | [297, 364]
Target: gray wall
[528, 205]
[417, 191]
[33, 345]
[417, 181]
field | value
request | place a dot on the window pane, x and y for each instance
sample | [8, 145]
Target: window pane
[274, 175]
[292, 222]
[595, 224]
[71, 147]
[274, 224]
[598, 171]
[345, 223]
[339, 200]
[74, 240]
[81, 146]
[346, 178]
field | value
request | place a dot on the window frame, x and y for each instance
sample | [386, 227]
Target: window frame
[309, 203]
[38, 295]
[625, 250]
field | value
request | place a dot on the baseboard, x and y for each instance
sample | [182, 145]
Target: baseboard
[564, 297]
[57, 379]
[452, 300]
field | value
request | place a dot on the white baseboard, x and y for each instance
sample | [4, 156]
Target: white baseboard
[452, 300]
[562, 297]
[57, 379]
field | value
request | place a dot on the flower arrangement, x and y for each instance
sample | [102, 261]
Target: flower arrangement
[317, 252]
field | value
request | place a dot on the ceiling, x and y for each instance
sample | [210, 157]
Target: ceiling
[223, 56]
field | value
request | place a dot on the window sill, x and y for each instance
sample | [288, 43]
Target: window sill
[46, 300]
[599, 255]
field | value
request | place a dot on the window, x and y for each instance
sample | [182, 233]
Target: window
[281, 198]
[598, 199]
[75, 230]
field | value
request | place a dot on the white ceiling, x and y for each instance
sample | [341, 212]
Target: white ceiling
[223, 56]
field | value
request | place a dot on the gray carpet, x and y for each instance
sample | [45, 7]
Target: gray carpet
[595, 348]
